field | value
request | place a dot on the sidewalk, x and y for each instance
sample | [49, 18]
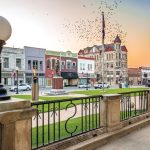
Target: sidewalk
[138, 140]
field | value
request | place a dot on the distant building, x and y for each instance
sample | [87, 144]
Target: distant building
[134, 76]
[145, 74]
[34, 59]
[51, 58]
[115, 61]
[95, 53]
[86, 70]
[67, 67]
[11, 59]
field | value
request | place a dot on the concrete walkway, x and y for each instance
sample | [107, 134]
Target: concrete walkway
[138, 140]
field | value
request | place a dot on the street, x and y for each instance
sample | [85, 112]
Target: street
[44, 90]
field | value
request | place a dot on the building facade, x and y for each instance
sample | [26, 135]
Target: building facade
[95, 53]
[12, 59]
[134, 76]
[111, 63]
[51, 58]
[34, 59]
[86, 71]
[145, 74]
[67, 67]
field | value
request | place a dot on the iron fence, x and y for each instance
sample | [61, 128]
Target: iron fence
[61, 119]
[133, 104]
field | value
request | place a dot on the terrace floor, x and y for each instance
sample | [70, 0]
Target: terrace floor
[137, 140]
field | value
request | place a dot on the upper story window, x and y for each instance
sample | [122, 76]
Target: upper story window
[48, 64]
[62, 65]
[80, 66]
[69, 65]
[35, 64]
[29, 64]
[89, 67]
[119, 56]
[18, 63]
[53, 63]
[74, 64]
[6, 62]
[41, 65]
[117, 72]
[112, 56]
[83, 67]
[112, 65]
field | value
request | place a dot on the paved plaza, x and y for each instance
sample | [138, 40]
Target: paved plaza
[138, 140]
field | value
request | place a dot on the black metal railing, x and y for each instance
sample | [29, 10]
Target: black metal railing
[61, 119]
[133, 104]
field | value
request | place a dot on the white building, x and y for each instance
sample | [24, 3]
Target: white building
[145, 74]
[11, 59]
[86, 70]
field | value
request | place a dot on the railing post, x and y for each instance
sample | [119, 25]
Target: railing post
[15, 125]
[149, 101]
[110, 112]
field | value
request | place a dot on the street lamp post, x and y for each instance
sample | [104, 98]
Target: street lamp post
[5, 33]
[17, 79]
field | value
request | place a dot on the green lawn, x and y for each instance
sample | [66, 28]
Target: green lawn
[76, 102]
[86, 92]
[108, 91]
[74, 126]
[29, 97]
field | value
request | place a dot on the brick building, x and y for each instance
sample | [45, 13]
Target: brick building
[67, 67]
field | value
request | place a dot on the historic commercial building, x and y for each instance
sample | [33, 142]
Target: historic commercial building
[34, 59]
[86, 70]
[51, 58]
[67, 67]
[110, 63]
[12, 59]
[134, 76]
[95, 53]
[145, 74]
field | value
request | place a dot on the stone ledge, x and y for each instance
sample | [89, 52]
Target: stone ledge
[110, 96]
[105, 138]
[8, 117]
[14, 104]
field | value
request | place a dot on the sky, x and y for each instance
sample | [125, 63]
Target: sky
[63, 25]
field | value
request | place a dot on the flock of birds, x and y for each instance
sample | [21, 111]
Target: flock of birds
[90, 29]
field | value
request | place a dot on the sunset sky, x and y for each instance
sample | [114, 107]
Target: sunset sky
[56, 25]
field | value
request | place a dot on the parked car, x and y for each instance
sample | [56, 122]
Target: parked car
[84, 85]
[101, 85]
[21, 87]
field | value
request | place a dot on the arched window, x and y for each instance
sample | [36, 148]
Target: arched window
[53, 63]
[48, 64]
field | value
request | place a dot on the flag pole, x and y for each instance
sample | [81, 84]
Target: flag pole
[103, 48]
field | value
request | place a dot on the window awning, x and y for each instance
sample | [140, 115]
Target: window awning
[69, 75]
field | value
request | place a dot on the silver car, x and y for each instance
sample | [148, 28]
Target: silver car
[101, 85]
[21, 87]
[85, 85]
